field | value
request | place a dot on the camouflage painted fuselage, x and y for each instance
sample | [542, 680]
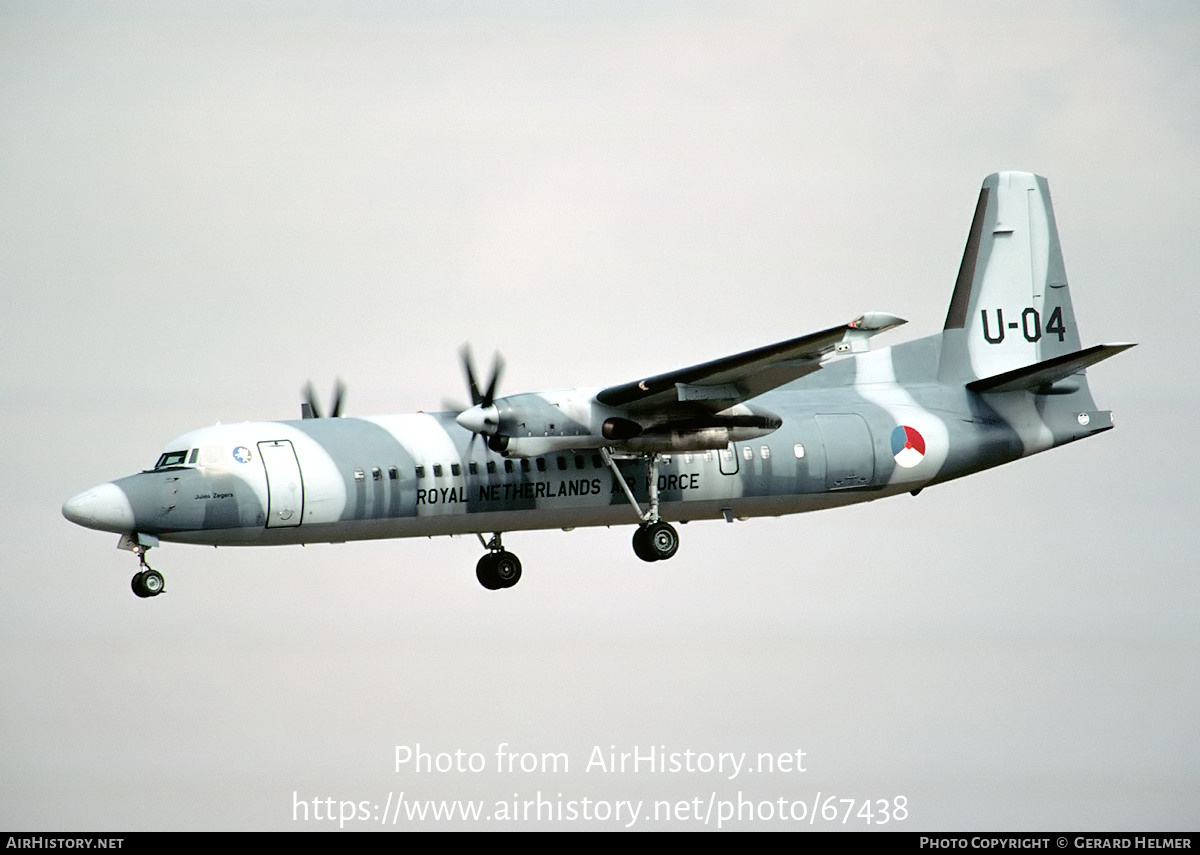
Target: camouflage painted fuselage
[420, 474]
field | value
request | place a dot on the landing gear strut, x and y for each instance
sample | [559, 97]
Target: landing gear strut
[654, 539]
[498, 568]
[147, 582]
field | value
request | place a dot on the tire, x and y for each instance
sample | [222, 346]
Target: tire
[485, 572]
[642, 547]
[663, 540]
[147, 583]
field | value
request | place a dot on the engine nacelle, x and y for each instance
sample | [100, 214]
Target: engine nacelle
[530, 425]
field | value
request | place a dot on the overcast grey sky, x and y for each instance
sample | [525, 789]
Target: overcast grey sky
[205, 205]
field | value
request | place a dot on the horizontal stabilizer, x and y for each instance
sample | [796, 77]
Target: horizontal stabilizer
[1041, 375]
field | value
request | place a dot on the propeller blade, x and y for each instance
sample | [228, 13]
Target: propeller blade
[497, 369]
[487, 398]
[471, 446]
[339, 390]
[471, 384]
[309, 409]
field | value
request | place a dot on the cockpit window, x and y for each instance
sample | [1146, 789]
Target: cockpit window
[171, 458]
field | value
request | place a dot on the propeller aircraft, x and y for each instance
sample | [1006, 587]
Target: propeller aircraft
[814, 422]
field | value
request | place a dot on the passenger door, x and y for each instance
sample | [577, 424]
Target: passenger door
[285, 486]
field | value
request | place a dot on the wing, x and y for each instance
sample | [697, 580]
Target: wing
[720, 384]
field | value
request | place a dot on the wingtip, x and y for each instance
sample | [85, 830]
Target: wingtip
[876, 321]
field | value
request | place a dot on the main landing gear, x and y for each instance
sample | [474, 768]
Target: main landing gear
[654, 539]
[147, 582]
[498, 568]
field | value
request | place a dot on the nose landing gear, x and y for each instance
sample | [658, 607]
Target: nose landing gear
[147, 582]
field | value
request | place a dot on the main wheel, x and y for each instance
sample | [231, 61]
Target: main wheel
[663, 540]
[497, 570]
[485, 572]
[642, 547]
[508, 569]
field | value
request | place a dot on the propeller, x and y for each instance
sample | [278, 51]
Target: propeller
[310, 409]
[483, 417]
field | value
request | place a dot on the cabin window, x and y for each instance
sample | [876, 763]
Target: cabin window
[765, 452]
[508, 466]
[562, 462]
[524, 464]
[420, 471]
[798, 450]
[687, 458]
[359, 475]
[491, 467]
[579, 461]
[473, 468]
[541, 464]
[596, 461]
[437, 470]
[393, 473]
[455, 469]
[747, 452]
[377, 474]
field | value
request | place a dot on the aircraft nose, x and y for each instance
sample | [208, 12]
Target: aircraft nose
[105, 508]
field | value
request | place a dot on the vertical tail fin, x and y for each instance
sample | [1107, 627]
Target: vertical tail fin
[1011, 306]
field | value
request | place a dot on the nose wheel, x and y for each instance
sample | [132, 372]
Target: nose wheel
[147, 582]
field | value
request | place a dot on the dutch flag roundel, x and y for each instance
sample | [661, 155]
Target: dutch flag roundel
[908, 446]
